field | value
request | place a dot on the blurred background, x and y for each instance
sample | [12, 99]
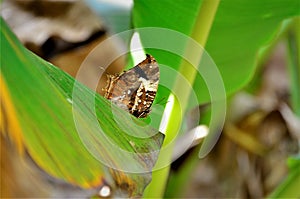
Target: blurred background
[261, 130]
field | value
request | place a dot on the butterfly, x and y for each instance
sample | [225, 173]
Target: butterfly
[134, 90]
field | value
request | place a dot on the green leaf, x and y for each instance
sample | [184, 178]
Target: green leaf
[70, 131]
[193, 60]
[239, 30]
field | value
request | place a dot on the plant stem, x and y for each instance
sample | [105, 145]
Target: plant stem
[200, 34]
[294, 64]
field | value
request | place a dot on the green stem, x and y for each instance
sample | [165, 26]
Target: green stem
[289, 188]
[294, 64]
[200, 34]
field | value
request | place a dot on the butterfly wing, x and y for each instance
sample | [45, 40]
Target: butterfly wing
[135, 89]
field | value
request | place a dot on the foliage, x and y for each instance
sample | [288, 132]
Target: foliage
[70, 131]
[238, 33]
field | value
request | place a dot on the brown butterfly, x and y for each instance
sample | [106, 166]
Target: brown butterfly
[134, 90]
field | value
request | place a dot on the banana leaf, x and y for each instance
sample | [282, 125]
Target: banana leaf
[69, 131]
